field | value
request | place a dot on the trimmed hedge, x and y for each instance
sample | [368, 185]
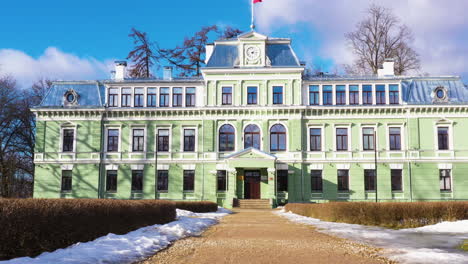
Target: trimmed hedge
[390, 215]
[29, 227]
[197, 207]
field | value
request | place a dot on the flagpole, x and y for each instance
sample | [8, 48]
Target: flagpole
[252, 26]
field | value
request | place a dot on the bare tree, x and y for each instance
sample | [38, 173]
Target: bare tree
[143, 56]
[230, 32]
[379, 36]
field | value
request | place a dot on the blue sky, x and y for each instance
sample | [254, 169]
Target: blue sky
[80, 39]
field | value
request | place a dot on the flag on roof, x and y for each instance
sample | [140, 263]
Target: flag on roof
[257, 1]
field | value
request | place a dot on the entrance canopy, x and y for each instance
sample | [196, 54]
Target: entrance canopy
[251, 158]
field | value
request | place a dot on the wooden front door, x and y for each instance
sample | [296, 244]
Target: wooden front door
[252, 185]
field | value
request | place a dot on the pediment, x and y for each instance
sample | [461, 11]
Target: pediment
[252, 35]
[251, 153]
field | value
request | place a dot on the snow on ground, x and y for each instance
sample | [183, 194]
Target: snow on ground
[429, 244]
[130, 247]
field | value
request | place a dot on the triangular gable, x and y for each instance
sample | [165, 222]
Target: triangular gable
[252, 35]
[250, 153]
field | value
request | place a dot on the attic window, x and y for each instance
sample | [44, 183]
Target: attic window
[440, 94]
[70, 97]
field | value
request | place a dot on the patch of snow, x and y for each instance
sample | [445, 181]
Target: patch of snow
[132, 246]
[429, 244]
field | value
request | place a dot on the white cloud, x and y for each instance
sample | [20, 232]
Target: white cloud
[440, 27]
[53, 64]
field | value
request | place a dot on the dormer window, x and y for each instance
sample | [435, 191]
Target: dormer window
[440, 95]
[70, 98]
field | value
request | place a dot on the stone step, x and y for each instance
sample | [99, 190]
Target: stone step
[254, 203]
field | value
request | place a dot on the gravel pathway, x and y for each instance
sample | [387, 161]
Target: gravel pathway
[259, 236]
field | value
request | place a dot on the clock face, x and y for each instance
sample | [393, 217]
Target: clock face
[252, 52]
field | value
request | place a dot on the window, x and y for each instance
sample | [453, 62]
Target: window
[164, 97]
[368, 138]
[343, 180]
[341, 94]
[189, 139]
[151, 97]
[252, 137]
[445, 180]
[113, 96]
[139, 95]
[163, 140]
[367, 94]
[112, 140]
[442, 138]
[277, 138]
[227, 96]
[380, 94]
[394, 95]
[68, 138]
[314, 95]
[327, 94]
[251, 95]
[369, 180]
[66, 181]
[395, 138]
[341, 139]
[163, 180]
[316, 180]
[111, 181]
[137, 180]
[189, 180]
[226, 138]
[221, 180]
[282, 180]
[277, 95]
[176, 97]
[138, 139]
[126, 97]
[396, 178]
[315, 139]
[190, 97]
[354, 94]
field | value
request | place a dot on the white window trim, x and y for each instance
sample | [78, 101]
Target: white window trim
[287, 135]
[247, 95]
[146, 96]
[334, 94]
[402, 137]
[398, 166]
[106, 131]
[443, 123]
[347, 126]
[221, 94]
[374, 97]
[360, 94]
[163, 127]
[261, 134]
[185, 96]
[446, 167]
[217, 136]
[322, 137]
[346, 94]
[63, 127]
[182, 138]
[283, 93]
[361, 143]
[130, 139]
[169, 101]
[343, 167]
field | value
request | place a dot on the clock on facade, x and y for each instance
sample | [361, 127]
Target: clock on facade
[252, 53]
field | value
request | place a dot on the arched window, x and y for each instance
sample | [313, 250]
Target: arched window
[277, 138]
[252, 137]
[226, 138]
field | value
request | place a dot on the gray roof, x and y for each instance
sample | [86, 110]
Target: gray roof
[421, 91]
[90, 94]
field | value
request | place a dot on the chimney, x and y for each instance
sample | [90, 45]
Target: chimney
[167, 73]
[209, 51]
[388, 68]
[120, 72]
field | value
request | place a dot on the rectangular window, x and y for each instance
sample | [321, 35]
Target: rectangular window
[139, 95]
[251, 95]
[66, 181]
[138, 140]
[277, 95]
[282, 180]
[163, 140]
[380, 94]
[113, 98]
[163, 180]
[354, 94]
[369, 180]
[112, 140]
[341, 139]
[176, 97]
[368, 138]
[137, 180]
[151, 97]
[68, 138]
[227, 95]
[394, 94]
[221, 180]
[111, 181]
[316, 180]
[445, 180]
[314, 96]
[343, 180]
[164, 97]
[190, 96]
[442, 138]
[367, 94]
[189, 139]
[126, 97]
[315, 139]
[395, 138]
[327, 93]
[397, 179]
[189, 180]
[341, 94]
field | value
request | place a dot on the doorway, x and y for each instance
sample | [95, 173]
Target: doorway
[252, 184]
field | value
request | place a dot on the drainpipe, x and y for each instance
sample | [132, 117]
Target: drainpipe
[156, 165]
[101, 154]
[203, 162]
[302, 155]
[409, 160]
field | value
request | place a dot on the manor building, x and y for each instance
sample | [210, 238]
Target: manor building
[254, 126]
